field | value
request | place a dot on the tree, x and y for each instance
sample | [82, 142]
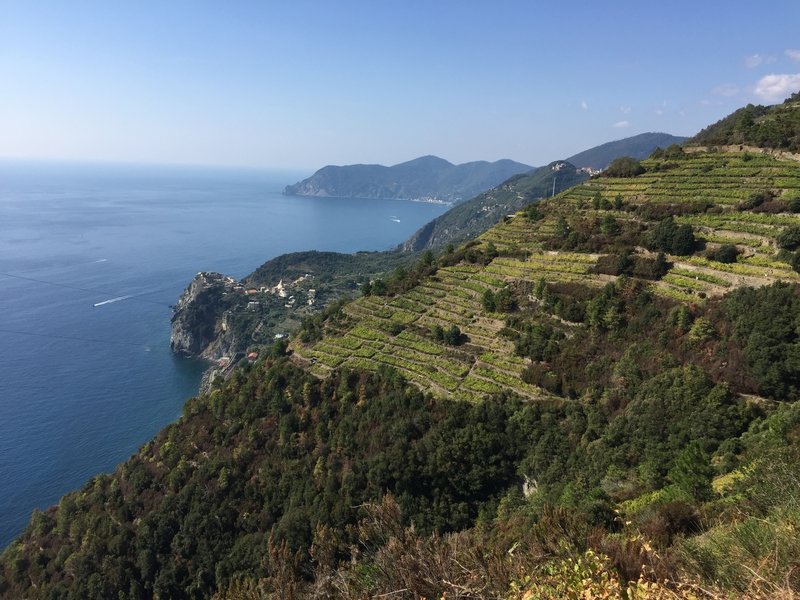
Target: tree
[533, 213]
[789, 238]
[668, 236]
[795, 262]
[692, 473]
[609, 226]
[562, 228]
[489, 302]
[379, 287]
[683, 242]
[624, 166]
[726, 253]
[453, 336]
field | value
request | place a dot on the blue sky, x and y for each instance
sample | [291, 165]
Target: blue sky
[304, 84]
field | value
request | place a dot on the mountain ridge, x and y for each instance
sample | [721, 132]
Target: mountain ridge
[637, 146]
[428, 178]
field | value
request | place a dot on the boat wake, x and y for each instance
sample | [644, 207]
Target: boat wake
[112, 300]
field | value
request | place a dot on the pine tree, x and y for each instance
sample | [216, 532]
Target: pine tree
[692, 473]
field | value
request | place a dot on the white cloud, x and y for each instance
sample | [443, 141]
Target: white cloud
[726, 89]
[752, 61]
[756, 60]
[776, 87]
[621, 124]
[584, 105]
[659, 112]
[793, 54]
[625, 109]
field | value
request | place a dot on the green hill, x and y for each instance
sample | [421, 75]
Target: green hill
[776, 127]
[597, 397]
[581, 237]
[425, 178]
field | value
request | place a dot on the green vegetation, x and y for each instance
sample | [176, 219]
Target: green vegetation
[669, 237]
[475, 216]
[765, 126]
[597, 396]
[624, 167]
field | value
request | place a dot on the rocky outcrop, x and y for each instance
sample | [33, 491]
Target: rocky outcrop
[198, 317]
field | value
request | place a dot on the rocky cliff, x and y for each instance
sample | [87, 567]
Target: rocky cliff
[198, 318]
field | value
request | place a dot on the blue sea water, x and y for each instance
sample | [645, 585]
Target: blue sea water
[85, 382]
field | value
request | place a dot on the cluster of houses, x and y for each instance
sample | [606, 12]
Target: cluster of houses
[281, 289]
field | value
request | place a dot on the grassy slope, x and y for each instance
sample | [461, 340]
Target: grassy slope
[453, 296]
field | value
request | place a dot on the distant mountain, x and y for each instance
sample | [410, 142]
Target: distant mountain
[426, 178]
[639, 147]
[775, 127]
[475, 216]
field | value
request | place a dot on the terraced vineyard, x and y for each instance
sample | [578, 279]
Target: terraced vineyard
[705, 190]
[484, 364]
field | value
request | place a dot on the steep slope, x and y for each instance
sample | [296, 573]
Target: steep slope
[219, 318]
[638, 146]
[465, 221]
[591, 235]
[426, 178]
[776, 127]
[469, 219]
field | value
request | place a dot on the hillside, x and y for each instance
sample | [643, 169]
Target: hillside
[471, 218]
[427, 178]
[597, 397]
[589, 235]
[638, 146]
[776, 127]
[223, 320]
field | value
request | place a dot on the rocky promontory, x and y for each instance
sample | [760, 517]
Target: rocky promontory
[197, 320]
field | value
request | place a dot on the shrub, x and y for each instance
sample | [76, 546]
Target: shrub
[756, 200]
[726, 253]
[668, 236]
[624, 167]
[789, 238]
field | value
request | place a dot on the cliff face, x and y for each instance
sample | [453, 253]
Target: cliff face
[198, 318]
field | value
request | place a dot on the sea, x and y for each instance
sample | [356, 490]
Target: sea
[92, 256]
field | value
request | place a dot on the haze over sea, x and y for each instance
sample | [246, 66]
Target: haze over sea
[84, 382]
